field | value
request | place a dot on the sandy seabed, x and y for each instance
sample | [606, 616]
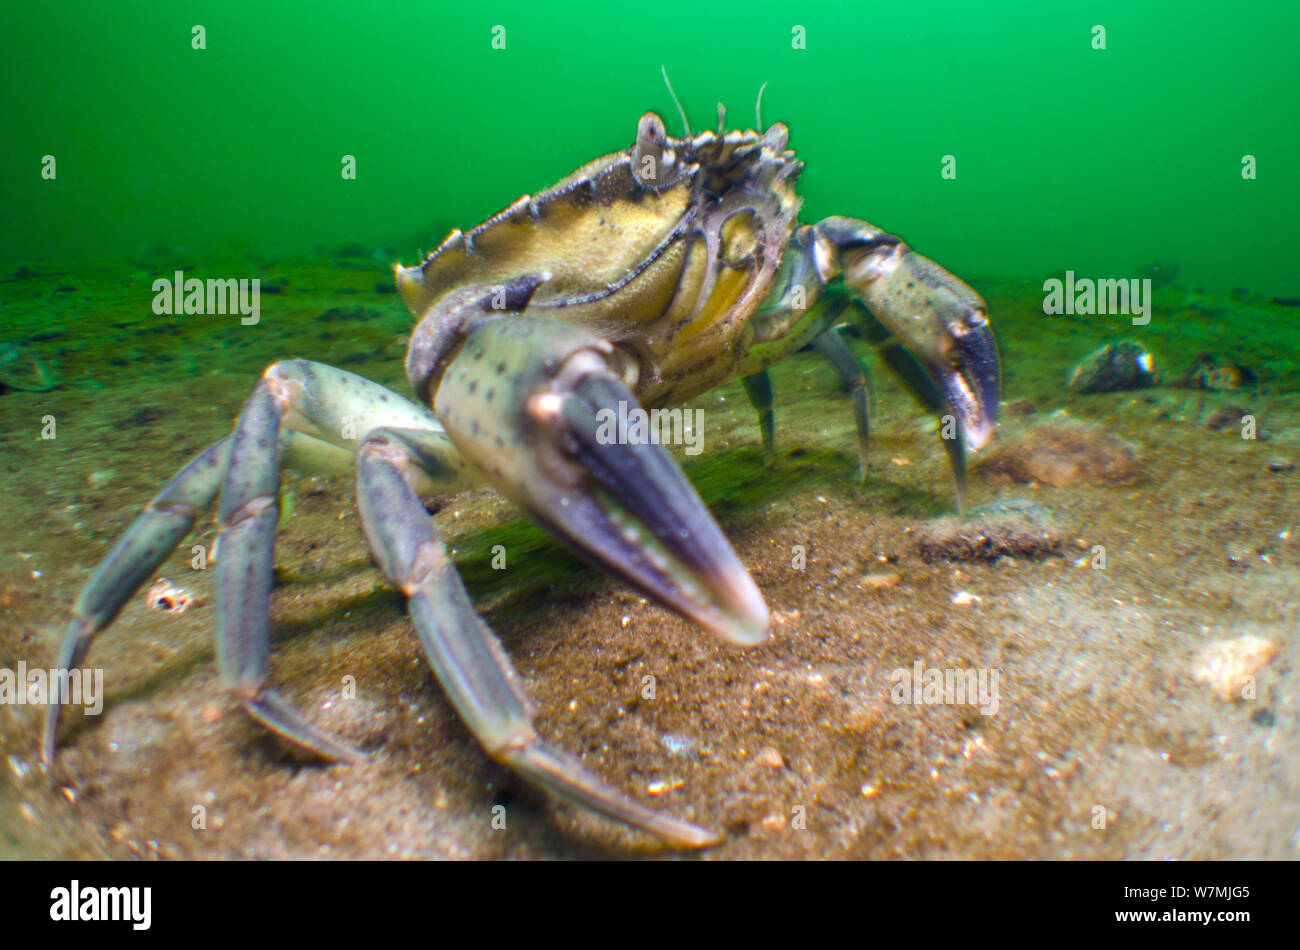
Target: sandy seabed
[1110, 738]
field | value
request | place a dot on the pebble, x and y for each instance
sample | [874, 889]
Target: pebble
[1226, 666]
[1011, 527]
[660, 786]
[880, 580]
[1226, 417]
[677, 745]
[166, 596]
[1114, 367]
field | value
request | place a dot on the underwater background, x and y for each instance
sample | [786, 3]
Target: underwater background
[1130, 553]
[1066, 155]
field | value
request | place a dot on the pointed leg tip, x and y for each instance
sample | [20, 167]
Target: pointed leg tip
[697, 838]
[49, 737]
[351, 756]
[273, 711]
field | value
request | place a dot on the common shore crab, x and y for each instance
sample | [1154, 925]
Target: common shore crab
[647, 277]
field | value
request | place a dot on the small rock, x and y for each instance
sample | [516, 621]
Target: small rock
[1226, 417]
[166, 596]
[1114, 367]
[1278, 464]
[1012, 527]
[98, 480]
[879, 580]
[1227, 666]
[769, 757]
[1061, 451]
[660, 786]
[1215, 373]
[677, 745]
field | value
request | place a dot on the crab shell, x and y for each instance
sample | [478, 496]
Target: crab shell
[663, 249]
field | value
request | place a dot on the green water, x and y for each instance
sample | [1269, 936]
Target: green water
[229, 160]
[1066, 156]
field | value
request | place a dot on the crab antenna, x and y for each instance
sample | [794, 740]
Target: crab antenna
[722, 119]
[758, 109]
[677, 102]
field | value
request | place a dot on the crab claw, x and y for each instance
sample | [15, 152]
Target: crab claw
[642, 520]
[968, 370]
[943, 325]
[548, 443]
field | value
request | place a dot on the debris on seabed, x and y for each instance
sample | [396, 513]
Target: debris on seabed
[166, 596]
[1228, 667]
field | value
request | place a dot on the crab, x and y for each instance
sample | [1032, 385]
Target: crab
[645, 278]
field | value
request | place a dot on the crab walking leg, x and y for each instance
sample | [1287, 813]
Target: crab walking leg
[332, 406]
[923, 386]
[323, 397]
[853, 374]
[758, 387]
[466, 657]
[152, 536]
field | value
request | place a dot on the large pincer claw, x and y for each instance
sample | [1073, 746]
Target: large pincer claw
[538, 412]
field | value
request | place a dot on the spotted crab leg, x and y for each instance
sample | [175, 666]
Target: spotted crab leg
[337, 408]
[154, 534]
[299, 417]
[467, 658]
[527, 400]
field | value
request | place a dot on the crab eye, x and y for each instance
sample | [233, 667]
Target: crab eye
[652, 159]
[650, 134]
